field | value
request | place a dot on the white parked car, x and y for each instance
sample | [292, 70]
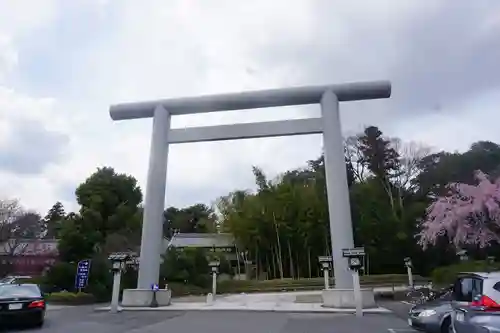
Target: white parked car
[14, 279]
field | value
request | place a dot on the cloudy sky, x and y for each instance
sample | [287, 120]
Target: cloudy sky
[63, 63]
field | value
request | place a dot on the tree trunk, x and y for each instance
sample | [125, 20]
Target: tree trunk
[268, 266]
[297, 261]
[273, 262]
[238, 263]
[386, 184]
[292, 273]
[367, 264]
[280, 263]
[257, 263]
[309, 261]
[327, 247]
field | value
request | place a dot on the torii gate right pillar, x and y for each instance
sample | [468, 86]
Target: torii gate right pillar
[339, 208]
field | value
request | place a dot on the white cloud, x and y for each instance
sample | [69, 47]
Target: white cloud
[22, 17]
[20, 151]
[457, 126]
[159, 49]
[8, 56]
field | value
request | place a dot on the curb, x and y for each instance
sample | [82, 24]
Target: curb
[324, 311]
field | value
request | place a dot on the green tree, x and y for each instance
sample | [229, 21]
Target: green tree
[442, 168]
[282, 225]
[110, 204]
[109, 219]
[378, 154]
[198, 218]
[76, 240]
[53, 220]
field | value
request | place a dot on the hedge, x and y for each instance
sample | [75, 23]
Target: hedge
[179, 289]
[249, 286]
[244, 286]
[447, 275]
[69, 298]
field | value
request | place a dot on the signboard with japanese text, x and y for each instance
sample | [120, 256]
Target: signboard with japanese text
[354, 252]
[82, 273]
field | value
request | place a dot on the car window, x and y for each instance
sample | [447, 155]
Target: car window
[10, 290]
[467, 288]
[477, 287]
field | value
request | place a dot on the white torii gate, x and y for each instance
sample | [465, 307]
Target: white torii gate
[328, 124]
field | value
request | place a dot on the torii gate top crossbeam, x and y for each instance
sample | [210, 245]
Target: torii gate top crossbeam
[252, 99]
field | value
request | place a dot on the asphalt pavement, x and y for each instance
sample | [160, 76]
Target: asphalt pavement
[399, 309]
[86, 320]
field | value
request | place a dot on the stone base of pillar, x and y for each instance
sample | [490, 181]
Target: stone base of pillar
[344, 298]
[143, 297]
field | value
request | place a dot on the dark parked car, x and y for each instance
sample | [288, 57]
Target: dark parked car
[21, 304]
[471, 296]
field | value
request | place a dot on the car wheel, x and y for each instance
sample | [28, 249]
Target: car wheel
[40, 321]
[446, 326]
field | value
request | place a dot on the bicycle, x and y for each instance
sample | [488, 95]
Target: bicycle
[421, 295]
[415, 296]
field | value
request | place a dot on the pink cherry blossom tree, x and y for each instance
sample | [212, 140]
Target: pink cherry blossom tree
[468, 214]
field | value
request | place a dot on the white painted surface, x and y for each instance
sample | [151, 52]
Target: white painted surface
[262, 307]
[354, 91]
[337, 189]
[246, 131]
[115, 296]
[345, 298]
[154, 202]
[358, 296]
[143, 297]
[277, 302]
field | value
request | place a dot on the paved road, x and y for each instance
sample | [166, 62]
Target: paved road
[399, 309]
[85, 320]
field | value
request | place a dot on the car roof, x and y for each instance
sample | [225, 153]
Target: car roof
[484, 275]
[18, 277]
[21, 284]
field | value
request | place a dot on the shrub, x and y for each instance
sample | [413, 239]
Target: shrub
[100, 279]
[249, 286]
[69, 298]
[61, 276]
[188, 266]
[237, 286]
[448, 274]
[181, 289]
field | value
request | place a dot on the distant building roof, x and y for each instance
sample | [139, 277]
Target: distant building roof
[201, 240]
[28, 247]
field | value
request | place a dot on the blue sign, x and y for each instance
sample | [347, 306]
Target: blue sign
[82, 274]
[155, 287]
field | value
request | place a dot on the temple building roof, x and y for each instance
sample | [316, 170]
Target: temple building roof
[181, 240]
